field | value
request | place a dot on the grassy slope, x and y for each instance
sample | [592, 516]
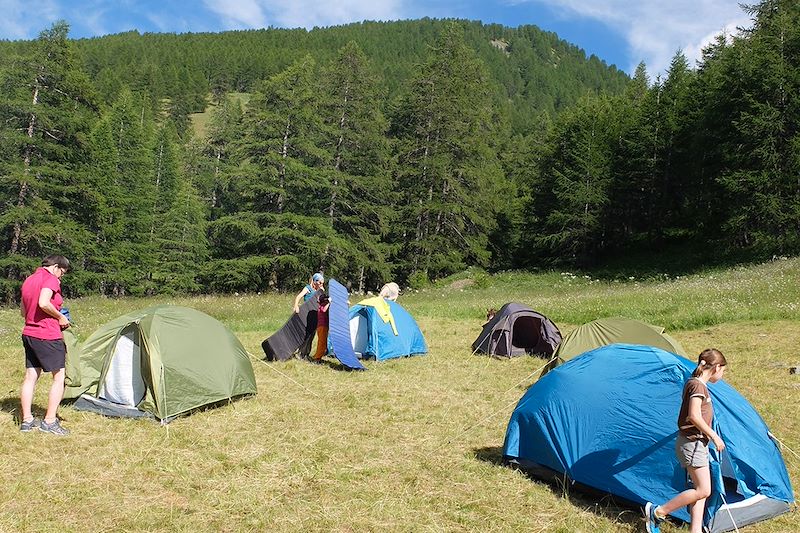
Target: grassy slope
[200, 120]
[410, 445]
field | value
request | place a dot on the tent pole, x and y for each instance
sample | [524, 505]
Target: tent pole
[483, 339]
[727, 508]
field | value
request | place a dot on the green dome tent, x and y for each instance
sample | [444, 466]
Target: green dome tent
[162, 361]
[605, 331]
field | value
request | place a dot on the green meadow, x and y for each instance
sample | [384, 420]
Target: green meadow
[410, 445]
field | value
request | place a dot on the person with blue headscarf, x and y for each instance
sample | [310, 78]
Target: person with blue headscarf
[315, 283]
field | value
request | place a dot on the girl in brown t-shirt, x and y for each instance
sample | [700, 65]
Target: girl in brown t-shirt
[694, 432]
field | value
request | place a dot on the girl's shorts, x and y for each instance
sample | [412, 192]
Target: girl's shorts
[691, 453]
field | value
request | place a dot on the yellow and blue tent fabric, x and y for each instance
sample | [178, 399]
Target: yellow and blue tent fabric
[383, 329]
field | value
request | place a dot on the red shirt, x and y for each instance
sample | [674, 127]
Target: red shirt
[322, 316]
[39, 324]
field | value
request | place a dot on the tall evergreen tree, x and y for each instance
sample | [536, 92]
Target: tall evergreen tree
[636, 157]
[572, 201]
[282, 185]
[224, 130]
[360, 190]
[447, 167]
[678, 126]
[130, 258]
[763, 165]
[46, 108]
[180, 235]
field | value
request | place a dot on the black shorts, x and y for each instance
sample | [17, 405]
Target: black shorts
[49, 355]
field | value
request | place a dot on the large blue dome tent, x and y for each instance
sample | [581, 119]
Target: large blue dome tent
[607, 420]
[375, 337]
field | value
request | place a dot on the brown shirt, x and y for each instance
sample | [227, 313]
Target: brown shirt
[695, 387]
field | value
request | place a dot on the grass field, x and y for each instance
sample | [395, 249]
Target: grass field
[409, 445]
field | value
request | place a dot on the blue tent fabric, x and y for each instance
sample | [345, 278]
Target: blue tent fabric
[607, 419]
[339, 327]
[381, 342]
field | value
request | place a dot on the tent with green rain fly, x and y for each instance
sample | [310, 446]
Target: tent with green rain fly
[605, 331]
[161, 361]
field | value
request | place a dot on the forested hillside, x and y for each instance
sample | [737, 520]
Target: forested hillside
[406, 150]
[530, 71]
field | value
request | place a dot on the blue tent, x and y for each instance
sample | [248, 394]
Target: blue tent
[372, 337]
[607, 420]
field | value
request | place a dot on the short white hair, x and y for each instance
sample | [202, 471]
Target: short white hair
[390, 291]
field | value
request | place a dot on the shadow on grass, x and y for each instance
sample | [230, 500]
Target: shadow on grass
[333, 363]
[598, 502]
[490, 454]
[10, 404]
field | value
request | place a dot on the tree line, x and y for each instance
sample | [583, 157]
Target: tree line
[328, 166]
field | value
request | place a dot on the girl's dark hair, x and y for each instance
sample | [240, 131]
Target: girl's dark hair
[708, 358]
[58, 260]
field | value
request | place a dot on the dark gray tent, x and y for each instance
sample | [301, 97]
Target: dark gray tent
[517, 330]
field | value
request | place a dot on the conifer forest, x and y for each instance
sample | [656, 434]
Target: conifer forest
[378, 151]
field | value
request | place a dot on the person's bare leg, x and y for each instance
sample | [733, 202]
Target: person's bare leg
[26, 394]
[55, 396]
[701, 479]
[696, 513]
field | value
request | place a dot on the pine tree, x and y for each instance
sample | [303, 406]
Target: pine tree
[130, 258]
[636, 155]
[282, 183]
[679, 124]
[447, 168]
[46, 108]
[763, 164]
[360, 191]
[577, 174]
[180, 238]
[224, 131]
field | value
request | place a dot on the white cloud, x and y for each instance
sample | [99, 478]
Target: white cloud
[301, 13]
[310, 13]
[656, 29]
[239, 14]
[23, 19]
[94, 21]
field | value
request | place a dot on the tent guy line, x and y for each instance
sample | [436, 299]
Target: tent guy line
[779, 441]
[537, 371]
[473, 426]
[260, 360]
[495, 413]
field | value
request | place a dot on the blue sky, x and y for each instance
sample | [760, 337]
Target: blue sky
[621, 32]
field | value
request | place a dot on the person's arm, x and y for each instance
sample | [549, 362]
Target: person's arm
[298, 298]
[45, 295]
[325, 307]
[696, 418]
[22, 308]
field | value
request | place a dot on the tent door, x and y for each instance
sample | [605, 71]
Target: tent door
[123, 383]
[525, 336]
[359, 334]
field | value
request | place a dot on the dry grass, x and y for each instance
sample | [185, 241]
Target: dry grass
[410, 445]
